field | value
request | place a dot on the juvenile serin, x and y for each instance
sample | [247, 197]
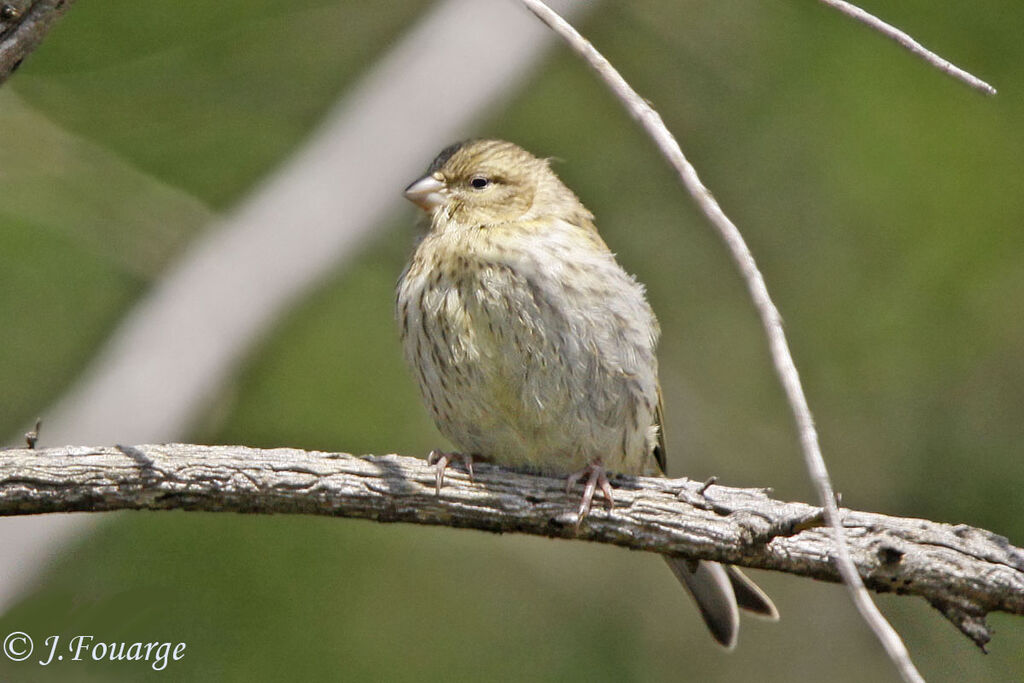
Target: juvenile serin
[533, 348]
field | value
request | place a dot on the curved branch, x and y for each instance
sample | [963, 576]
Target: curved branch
[23, 25]
[771, 321]
[962, 571]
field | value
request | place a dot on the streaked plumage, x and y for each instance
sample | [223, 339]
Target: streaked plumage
[531, 346]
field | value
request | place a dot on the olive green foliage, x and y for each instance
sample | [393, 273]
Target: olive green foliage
[882, 200]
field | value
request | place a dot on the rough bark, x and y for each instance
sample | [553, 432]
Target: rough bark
[962, 571]
[23, 25]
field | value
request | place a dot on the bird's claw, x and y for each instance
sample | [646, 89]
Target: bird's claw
[597, 478]
[440, 459]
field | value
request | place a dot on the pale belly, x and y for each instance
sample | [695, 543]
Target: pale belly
[524, 378]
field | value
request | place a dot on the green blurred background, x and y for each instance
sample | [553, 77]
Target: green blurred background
[882, 199]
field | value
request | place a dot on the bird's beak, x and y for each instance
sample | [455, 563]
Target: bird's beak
[426, 193]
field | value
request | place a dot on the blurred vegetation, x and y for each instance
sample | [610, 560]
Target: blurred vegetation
[882, 199]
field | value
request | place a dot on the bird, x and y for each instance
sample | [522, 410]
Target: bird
[534, 349]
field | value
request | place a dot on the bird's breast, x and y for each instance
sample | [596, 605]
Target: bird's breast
[525, 357]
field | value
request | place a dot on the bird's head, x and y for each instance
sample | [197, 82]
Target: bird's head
[479, 183]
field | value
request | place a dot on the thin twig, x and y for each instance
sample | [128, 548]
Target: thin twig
[909, 43]
[32, 436]
[770, 319]
[965, 573]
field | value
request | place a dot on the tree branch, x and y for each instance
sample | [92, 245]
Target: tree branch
[962, 571]
[908, 43]
[23, 25]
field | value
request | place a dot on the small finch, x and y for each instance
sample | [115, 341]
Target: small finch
[533, 348]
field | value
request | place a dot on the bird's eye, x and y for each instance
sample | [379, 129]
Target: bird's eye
[479, 182]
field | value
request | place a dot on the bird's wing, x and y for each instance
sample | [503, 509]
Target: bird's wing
[659, 421]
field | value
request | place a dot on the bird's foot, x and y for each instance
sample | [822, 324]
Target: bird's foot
[597, 478]
[440, 460]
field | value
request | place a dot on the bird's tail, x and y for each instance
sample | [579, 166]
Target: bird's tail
[719, 591]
